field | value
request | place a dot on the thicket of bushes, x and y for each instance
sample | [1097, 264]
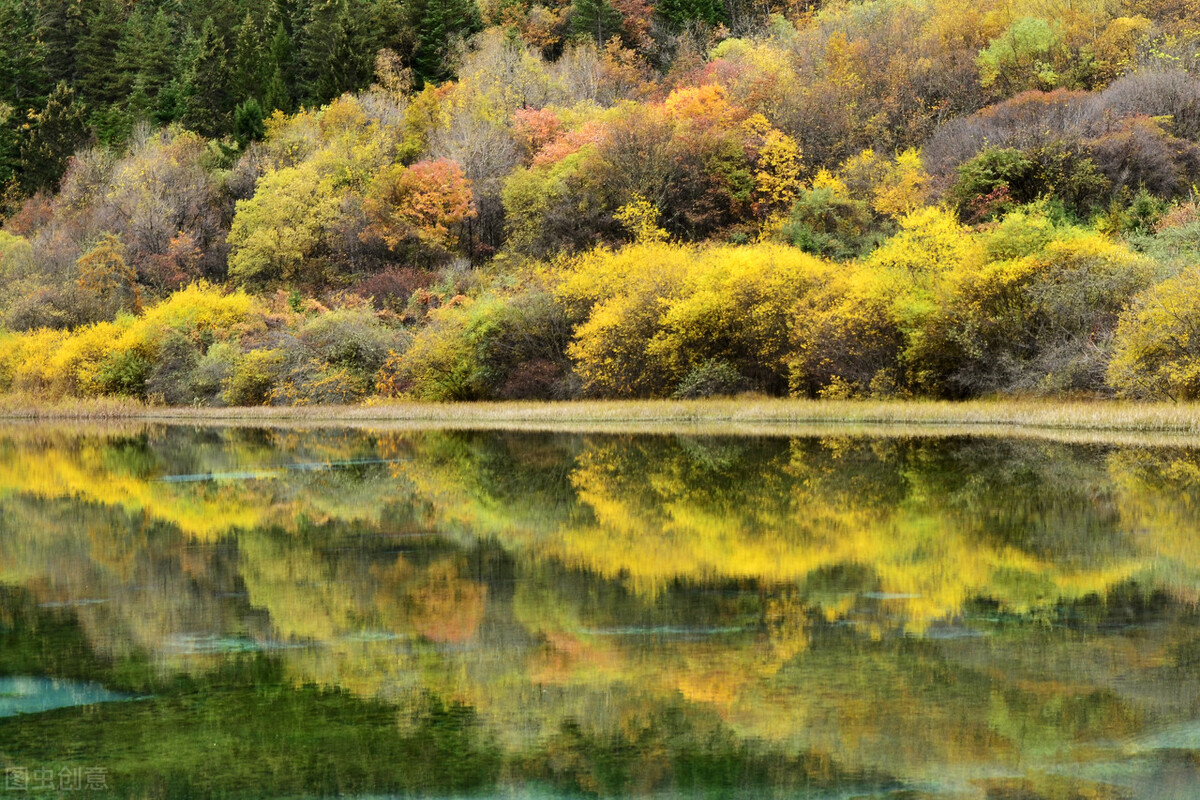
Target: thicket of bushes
[1033, 304]
[207, 346]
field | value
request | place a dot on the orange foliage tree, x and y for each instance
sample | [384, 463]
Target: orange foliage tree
[424, 202]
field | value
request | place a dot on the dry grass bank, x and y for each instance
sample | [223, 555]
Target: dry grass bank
[761, 414]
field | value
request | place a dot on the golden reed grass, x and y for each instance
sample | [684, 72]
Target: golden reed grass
[750, 411]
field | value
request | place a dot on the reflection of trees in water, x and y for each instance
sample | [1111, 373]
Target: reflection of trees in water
[911, 528]
[243, 727]
[549, 578]
[928, 524]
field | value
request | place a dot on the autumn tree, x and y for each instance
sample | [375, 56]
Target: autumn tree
[279, 234]
[159, 192]
[424, 203]
[1023, 57]
[103, 273]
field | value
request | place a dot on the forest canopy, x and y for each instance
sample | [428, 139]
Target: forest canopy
[316, 201]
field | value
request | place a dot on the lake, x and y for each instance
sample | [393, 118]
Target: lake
[228, 612]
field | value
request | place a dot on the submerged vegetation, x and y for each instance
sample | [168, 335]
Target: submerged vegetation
[265, 203]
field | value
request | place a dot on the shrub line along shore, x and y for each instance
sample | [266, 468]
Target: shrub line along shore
[764, 414]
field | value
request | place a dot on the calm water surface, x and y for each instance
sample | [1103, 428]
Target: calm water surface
[248, 613]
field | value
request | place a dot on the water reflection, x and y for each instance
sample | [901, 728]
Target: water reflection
[446, 612]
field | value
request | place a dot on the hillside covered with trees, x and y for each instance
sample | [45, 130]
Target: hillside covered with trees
[320, 201]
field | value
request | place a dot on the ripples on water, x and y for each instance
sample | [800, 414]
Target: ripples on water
[250, 613]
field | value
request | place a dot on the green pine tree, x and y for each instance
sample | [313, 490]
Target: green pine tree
[288, 14]
[207, 97]
[52, 137]
[96, 55]
[596, 18]
[112, 124]
[352, 50]
[335, 52]
[22, 68]
[130, 50]
[158, 55]
[139, 106]
[249, 65]
[61, 24]
[145, 54]
[388, 21]
[679, 13]
[437, 23]
[276, 95]
[248, 123]
[224, 14]
[10, 152]
[280, 90]
[171, 103]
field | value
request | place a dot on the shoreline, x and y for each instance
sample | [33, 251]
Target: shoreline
[754, 412]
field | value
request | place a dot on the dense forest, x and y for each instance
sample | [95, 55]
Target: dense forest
[315, 201]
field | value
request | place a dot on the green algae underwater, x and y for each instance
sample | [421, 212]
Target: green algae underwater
[202, 612]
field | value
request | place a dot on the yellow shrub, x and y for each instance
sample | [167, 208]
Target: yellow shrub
[651, 313]
[858, 336]
[16, 256]
[847, 339]
[602, 274]
[202, 307]
[30, 362]
[1035, 314]
[930, 241]
[11, 348]
[199, 311]
[777, 174]
[904, 187]
[737, 306]
[442, 362]
[1156, 351]
[894, 187]
[620, 296]
[62, 363]
[76, 363]
[639, 217]
[254, 378]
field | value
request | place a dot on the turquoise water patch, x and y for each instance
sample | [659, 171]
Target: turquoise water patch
[207, 644]
[277, 471]
[661, 630]
[30, 695]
